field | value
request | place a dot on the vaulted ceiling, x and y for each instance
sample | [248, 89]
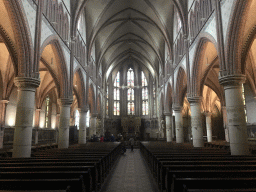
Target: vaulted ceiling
[125, 31]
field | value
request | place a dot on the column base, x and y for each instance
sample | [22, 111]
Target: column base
[20, 151]
[198, 143]
[239, 149]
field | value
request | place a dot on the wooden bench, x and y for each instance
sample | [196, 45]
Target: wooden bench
[180, 184]
[70, 184]
[86, 175]
[170, 178]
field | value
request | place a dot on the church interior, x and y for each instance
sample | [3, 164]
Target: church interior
[80, 78]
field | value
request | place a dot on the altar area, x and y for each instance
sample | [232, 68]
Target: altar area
[131, 126]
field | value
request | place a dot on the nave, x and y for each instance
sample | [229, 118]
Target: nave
[130, 174]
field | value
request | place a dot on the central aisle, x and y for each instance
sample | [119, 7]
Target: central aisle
[130, 175]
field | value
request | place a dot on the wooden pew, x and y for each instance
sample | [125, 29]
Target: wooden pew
[70, 184]
[86, 175]
[180, 184]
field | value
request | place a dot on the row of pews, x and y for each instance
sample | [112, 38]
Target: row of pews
[79, 168]
[182, 168]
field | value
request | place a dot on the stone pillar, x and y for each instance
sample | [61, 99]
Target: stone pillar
[225, 123]
[179, 125]
[63, 141]
[196, 121]
[168, 120]
[208, 126]
[92, 130]
[24, 116]
[57, 127]
[3, 104]
[37, 121]
[235, 114]
[82, 127]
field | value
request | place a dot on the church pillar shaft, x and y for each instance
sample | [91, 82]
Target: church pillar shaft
[82, 127]
[92, 130]
[225, 123]
[24, 116]
[196, 122]
[3, 104]
[235, 114]
[64, 120]
[208, 126]
[179, 125]
[168, 120]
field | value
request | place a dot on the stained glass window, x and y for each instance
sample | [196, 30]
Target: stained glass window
[117, 94]
[130, 92]
[144, 94]
[88, 118]
[130, 108]
[77, 118]
[245, 111]
[47, 116]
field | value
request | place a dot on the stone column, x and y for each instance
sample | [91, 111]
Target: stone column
[179, 125]
[168, 120]
[196, 121]
[225, 123]
[92, 130]
[3, 104]
[82, 127]
[64, 120]
[37, 121]
[57, 127]
[235, 114]
[208, 126]
[24, 116]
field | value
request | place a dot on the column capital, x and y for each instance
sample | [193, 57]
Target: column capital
[4, 101]
[65, 101]
[26, 82]
[192, 100]
[232, 80]
[177, 108]
[208, 113]
[167, 113]
[83, 110]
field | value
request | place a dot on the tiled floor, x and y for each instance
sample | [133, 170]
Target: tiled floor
[130, 174]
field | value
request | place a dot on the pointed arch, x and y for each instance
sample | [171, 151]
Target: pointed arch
[60, 75]
[80, 88]
[180, 88]
[197, 64]
[91, 99]
[22, 42]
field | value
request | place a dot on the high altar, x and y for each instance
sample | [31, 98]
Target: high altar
[131, 126]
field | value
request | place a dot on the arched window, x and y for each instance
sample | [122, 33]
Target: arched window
[130, 92]
[88, 119]
[117, 94]
[47, 112]
[154, 99]
[245, 111]
[144, 94]
[77, 118]
[107, 102]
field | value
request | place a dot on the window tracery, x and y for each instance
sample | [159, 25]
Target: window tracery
[117, 94]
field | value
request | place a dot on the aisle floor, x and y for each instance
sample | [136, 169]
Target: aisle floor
[130, 174]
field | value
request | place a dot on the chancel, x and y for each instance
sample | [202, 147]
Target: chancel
[81, 79]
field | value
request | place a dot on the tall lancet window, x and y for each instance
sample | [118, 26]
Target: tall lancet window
[144, 94]
[130, 92]
[107, 102]
[77, 118]
[47, 112]
[117, 94]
